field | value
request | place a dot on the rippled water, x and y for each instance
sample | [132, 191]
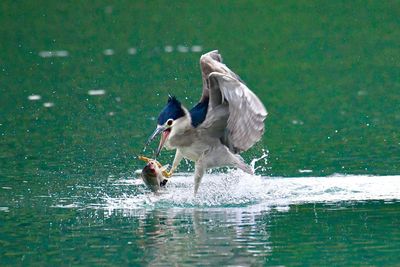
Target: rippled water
[81, 88]
[236, 219]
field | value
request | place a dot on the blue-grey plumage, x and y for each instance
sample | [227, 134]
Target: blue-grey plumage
[228, 119]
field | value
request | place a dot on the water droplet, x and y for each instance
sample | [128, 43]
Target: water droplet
[48, 104]
[108, 52]
[96, 92]
[196, 48]
[305, 171]
[362, 93]
[168, 49]
[183, 49]
[34, 97]
[297, 122]
[132, 51]
[59, 53]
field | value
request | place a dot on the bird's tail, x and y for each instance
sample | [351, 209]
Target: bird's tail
[243, 166]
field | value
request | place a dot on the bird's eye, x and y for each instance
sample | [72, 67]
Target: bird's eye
[169, 122]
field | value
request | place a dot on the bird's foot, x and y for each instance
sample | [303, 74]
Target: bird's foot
[167, 174]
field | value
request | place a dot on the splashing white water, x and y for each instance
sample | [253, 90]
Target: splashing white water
[264, 157]
[237, 189]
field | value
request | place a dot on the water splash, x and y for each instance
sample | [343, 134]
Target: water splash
[238, 189]
[264, 157]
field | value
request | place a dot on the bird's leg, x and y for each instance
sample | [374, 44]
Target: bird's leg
[200, 168]
[168, 174]
[178, 158]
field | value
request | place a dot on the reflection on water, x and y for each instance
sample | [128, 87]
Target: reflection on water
[237, 219]
[230, 237]
[206, 236]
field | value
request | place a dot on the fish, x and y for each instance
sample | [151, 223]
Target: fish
[153, 174]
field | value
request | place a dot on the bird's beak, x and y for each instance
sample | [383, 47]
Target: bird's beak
[165, 132]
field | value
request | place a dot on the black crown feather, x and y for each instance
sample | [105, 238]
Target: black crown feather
[173, 110]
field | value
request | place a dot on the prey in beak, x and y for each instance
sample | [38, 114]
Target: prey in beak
[172, 111]
[164, 130]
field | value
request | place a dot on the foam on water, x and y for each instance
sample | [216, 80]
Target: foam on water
[237, 189]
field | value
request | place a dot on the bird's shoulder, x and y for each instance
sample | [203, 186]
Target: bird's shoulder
[199, 112]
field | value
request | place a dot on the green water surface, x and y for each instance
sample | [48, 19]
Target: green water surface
[327, 71]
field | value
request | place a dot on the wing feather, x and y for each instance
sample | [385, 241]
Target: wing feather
[235, 113]
[245, 125]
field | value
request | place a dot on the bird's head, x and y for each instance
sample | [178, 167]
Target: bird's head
[169, 119]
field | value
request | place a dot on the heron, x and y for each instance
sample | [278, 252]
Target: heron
[227, 120]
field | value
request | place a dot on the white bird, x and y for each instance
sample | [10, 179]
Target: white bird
[228, 119]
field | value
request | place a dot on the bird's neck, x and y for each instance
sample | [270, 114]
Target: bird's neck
[181, 125]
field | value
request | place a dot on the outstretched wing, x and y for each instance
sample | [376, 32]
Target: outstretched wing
[245, 124]
[212, 62]
[234, 110]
